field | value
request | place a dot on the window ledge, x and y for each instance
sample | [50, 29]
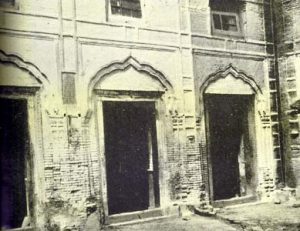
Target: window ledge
[228, 34]
[120, 19]
[221, 20]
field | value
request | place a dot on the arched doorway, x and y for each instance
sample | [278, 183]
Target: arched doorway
[130, 107]
[229, 99]
[20, 87]
[230, 134]
[14, 151]
[131, 156]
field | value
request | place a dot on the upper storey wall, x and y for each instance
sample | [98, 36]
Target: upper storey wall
[287, 25]
[31, 16]
[249, 17]
[159, 15]
[36, 7]
[156, 14]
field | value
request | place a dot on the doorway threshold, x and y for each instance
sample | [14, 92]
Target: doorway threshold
[133, 217]
[21, 229]
[234, 201]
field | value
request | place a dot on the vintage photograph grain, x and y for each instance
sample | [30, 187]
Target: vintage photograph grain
[150, 115]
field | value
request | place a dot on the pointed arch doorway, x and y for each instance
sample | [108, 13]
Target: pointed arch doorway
[229, 99]
[21, 87]
[230, 133]
[130, 107]
[131, 156]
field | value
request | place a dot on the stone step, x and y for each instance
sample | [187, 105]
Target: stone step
[234, 201]
[205, 212]
[21, 229]
[284, 195]
[131, 216]
[138, 221]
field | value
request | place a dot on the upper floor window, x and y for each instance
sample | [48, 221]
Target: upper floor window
[226, 17]
[225, 21]
[129, 8]
[7, 3]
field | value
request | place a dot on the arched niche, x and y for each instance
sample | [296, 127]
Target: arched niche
[15, 72]
[11, 76]
[229, 85]
[129, 80]
[230, 81]
[129, 75]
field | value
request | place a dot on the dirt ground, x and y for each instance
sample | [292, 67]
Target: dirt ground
[247, 217]
[267, 217]
[195, 223]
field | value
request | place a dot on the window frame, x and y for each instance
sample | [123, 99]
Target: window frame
[216, 31]
[14, 6]
[123, 18]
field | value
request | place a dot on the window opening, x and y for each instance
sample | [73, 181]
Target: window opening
[129, 8]
[226, 17]
[224, 5]
[7, 3]
[225, 22]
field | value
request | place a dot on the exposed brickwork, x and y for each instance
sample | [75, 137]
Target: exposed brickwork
[267, 185]
[287, 16]
[71, 165]
[182, 51]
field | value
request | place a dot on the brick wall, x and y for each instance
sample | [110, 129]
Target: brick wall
[287, 16]
[77, 44]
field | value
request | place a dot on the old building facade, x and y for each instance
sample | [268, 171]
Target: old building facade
[113, 107]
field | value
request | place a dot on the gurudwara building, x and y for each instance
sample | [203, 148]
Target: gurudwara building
[126, 109]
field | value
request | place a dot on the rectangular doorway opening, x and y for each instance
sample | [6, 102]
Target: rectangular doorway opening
[14, 153]
[131, 156]
[230, 121]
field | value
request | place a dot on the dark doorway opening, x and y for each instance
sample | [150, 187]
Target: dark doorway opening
[131, 156]
[230, 134]
[14, 151]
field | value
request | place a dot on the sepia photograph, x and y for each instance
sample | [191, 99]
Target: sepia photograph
[150, 115]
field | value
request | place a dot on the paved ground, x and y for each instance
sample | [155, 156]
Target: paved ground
[267, 217]
[195, 223]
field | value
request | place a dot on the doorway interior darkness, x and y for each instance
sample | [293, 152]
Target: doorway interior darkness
[131, 156]
[230, 134]
[14, 151]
